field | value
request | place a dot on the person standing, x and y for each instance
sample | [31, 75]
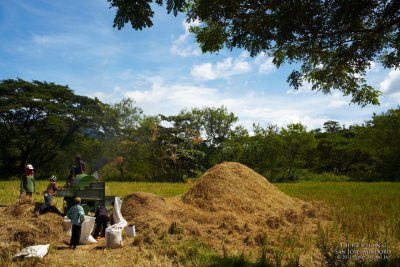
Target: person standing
[78, 169]
[80, 165]
[48, 194]
[77, 215]
[27, 187]
[101, 222]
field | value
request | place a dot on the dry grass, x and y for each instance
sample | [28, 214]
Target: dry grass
[231, 206]
[230, 213]
[19, 228]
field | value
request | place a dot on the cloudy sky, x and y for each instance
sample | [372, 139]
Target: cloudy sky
[73, 43]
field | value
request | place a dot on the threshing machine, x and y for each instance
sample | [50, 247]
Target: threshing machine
[89, 189]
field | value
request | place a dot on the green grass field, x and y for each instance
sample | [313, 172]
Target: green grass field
[363, 210]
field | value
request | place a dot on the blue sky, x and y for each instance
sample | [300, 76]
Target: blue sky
[73, 43]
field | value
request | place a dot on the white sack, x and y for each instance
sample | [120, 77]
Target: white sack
[113, 237]
[33, 251]
[130, 230]
[114, 232]
[117, 216]
[86, 231]
[67, 225]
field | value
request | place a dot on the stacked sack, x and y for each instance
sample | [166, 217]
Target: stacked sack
[114, 232]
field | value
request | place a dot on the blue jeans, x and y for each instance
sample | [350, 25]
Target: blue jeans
[48, 199]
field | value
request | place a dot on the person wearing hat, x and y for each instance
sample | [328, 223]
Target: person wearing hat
[77, 215]
[27, 187]
[48, 194]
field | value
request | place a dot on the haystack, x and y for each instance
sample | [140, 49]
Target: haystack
[229, 204]
[145, 207]
[233, 187]
[19, 227]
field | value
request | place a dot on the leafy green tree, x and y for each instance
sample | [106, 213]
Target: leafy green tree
[39, 120]
[332, 127]
[181, 156]
[215, 125]
[129, 118]
[333, 41]
[236, 148]
[380, 139]
[298, 143]
[338, 150]
[267, 152]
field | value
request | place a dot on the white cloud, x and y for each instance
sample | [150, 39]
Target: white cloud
[203, 72]
[337, 103]
[251, 107]
[264, 63]
[391, 84]
[373, 67]
[169, 99]
[222, 69]
[181, 46]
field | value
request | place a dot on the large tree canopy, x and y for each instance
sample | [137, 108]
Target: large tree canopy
[334, 41]
[38, 120]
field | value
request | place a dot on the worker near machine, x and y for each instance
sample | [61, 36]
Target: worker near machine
[27, 187]
[77, 215]
[48, 194]
[111, 214]
[78, 169]
[101, 222]
[80, 165]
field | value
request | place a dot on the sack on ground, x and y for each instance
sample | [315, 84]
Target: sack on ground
[113, 237]
[130, 230]
[86, 231]
[33, 251]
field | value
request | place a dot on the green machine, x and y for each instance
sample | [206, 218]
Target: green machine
[88, 188]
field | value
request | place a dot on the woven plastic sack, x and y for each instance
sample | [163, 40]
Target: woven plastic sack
[114, 237]
[86, 231]
[33, 251]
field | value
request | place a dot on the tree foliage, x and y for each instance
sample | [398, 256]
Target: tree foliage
[47, 124]
[39, 120]
[333, 41]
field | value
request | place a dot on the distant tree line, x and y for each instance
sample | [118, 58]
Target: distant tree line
[47, 125]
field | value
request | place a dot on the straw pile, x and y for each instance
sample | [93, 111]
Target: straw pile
[229, 204]
[19, 227]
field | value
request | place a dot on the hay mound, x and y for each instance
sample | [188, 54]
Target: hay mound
[19, 227]
[145, 207]
[234, 187]
[21, 208]
[230, 203]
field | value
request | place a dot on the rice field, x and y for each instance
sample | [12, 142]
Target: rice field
[361, 212]
[368, 211]
[364, 209]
